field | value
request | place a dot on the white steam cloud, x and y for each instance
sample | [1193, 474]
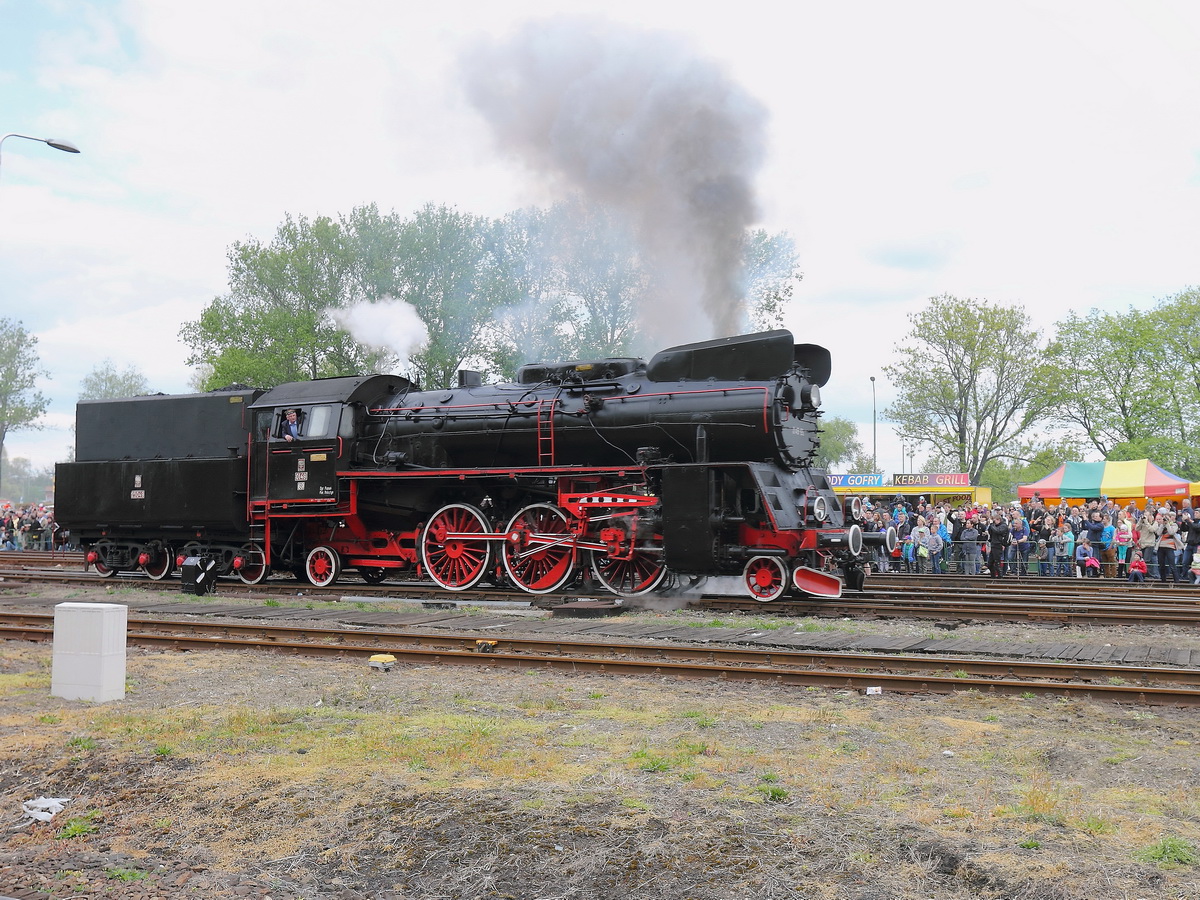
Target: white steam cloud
[392, 326]
[635, 121]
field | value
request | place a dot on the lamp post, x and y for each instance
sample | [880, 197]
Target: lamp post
[874, 432]
[65, 146]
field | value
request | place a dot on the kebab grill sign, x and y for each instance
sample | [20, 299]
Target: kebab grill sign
[932, 480]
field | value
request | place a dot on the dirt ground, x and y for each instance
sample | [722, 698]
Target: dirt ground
[231, 774]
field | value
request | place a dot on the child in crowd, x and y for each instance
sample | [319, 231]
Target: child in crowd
[1194, 568]
[910, 562]
[1137, 568]
[1042, 556]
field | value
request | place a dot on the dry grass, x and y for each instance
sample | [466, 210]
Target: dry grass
[459, 783]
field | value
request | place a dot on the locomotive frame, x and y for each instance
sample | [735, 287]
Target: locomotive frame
[637, 475]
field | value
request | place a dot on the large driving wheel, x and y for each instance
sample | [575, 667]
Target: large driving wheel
[640, 574]
[765, 578]
[323, 566]
[254, 564]
[454, 547]
[161, 564]
[539, 549]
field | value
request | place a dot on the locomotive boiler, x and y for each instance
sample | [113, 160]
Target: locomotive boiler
[628, 475]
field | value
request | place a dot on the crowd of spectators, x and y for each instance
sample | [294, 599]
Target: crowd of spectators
[29, 527]
[1097, 539]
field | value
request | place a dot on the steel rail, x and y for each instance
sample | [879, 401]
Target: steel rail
[1175, 610]
[1160, 685]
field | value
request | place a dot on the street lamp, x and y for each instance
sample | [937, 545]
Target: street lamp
[65, 146]
[874, 433]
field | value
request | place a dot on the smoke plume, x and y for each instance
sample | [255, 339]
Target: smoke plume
[392, 326]
[635, 121]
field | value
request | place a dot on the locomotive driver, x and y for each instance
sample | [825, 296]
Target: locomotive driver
[291, 425]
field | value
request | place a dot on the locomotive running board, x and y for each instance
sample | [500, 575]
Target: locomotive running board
[817, 583]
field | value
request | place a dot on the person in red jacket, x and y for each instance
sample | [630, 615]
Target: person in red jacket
[1137, 567]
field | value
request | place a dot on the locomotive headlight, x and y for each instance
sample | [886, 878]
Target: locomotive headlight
[810, 396]
[820, 509]
[854, 539]
[856, 508]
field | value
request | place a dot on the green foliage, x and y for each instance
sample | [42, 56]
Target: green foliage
[21, 482]
[1029, 463]
[121, 873]
[20, 368]
[442, 265]
[650, 762]
[772, 271]
[1133, 382]
[1169, 852]
[104, 382]
[839, 443]
[773, 793]
[972, 383]
[78, 826]
[274, 325]
[555, 284]
[82, 743]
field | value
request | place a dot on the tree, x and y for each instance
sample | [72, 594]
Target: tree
[1178, 380]
[1029, 463]
[1129, 381]
[974, 380]
[839, 442]
[772, 272]
[274, 324]
[534, 317]
[21, 482]
[104, 382]
[20, 368]
[561, 283]
[1103, 362]
[443, 268]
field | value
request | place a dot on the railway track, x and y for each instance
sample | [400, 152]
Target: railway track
[958, 598]
[1152, 685]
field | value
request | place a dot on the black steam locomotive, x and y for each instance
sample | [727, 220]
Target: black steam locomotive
[635, 475]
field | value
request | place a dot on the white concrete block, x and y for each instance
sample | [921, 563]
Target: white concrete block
[89, 651]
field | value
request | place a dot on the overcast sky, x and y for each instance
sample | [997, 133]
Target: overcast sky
[1041, 153]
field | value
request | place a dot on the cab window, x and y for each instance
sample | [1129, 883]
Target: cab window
[319, 421]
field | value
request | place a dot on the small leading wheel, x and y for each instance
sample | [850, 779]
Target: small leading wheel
[372, 574]
[323, 566]
[640, 574]
[104, 571]
[254, 564]
[765, 578]
[454, 547]
[539, 549]
[161, 564]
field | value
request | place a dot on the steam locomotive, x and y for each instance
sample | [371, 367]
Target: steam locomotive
[631, 475]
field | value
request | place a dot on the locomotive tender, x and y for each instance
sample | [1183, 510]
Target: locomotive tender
[697, 463]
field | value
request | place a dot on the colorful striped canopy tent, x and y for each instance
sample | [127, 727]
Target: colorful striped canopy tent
[1132, 479]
